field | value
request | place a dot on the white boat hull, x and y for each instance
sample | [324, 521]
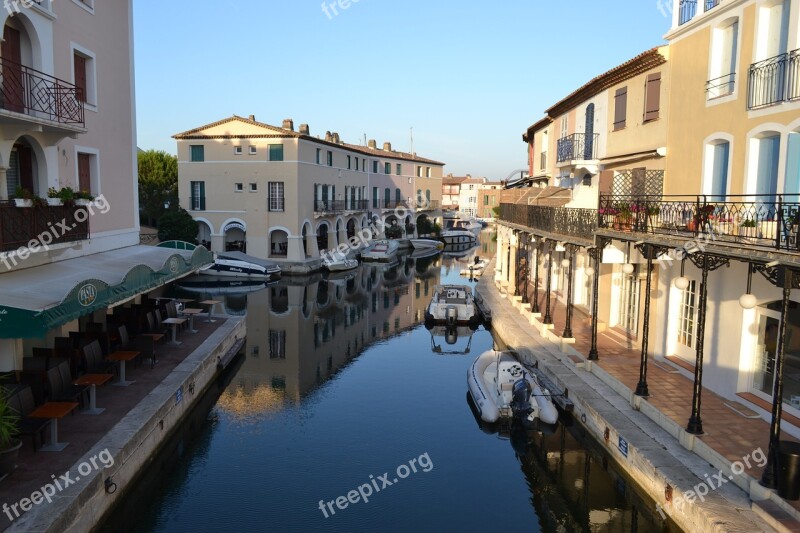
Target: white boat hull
[452, 305]
[490, 381]
[458, 237]
[426, 244]
[383, 251]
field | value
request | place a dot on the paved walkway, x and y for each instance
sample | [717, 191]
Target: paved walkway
[730, 434]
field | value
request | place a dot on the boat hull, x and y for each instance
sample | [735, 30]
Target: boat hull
[240, 272]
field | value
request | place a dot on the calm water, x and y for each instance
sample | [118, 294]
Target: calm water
[342, 383]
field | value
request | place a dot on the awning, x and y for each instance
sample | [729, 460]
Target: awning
[36, 300]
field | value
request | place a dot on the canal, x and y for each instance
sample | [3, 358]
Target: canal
[342, 393]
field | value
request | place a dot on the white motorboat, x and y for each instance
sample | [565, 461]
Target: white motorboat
[452, 305]
[476, 268]
[468, 225]
[501, 388]
[382, 251]
[426, 244]
[238, 264]
[339, 264]
[458, 236]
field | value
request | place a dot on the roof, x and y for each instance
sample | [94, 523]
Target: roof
[275, 132]
[543, 123]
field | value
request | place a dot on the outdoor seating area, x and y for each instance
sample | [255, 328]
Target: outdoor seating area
[65, 394]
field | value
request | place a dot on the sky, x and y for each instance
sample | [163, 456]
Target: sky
[468, 76]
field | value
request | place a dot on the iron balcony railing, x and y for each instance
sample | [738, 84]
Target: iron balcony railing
[578, 146]
[29, 91]
[766, 220]
[567, 221]
[686, 11]
[774, 80]
[338, 206]
[21, 226]
[722, 86]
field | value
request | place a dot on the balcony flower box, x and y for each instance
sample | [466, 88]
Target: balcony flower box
[748, 231]
[54, 202]
[23, 202]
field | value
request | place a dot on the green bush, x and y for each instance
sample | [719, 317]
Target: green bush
[176, 224]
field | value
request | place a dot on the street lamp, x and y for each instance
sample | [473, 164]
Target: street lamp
[682, 283]
[748, 300]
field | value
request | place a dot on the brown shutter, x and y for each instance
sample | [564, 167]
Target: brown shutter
[84, 172]
[80, 77]
[652, 101]
[620, 108]
[12, 71]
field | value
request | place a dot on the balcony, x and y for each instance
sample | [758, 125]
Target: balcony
[36, 94]
[774, 80]
[568, 222]
[722, 86]
[686, 11]
[21, 225]
[578, 146]
[768, 221]
[339, 206]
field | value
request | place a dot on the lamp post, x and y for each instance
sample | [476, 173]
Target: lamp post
[597, 253]
[548, 319]
[641, 388]
[539, 246]
[568, 262]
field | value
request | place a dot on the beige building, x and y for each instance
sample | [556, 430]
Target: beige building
[285, 195]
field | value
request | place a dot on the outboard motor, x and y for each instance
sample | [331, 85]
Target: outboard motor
[451, 336]
[520, 397]
[451, 316]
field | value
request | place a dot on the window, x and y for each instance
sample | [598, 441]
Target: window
[239, 187]
[387, 197]
[387, 168]
[374, 167]
[276, 152]
[364, 164]
[237, 150]
[276, 201]
[769, 148]
[349, 162]
[398, 196]
[564, 125]
[374, 197]
[198, 198]
[719, 156]
[652, 97]
[356, 165]
[84, 76]
[629, 306]
[791, 185]
[399, 169]
[85, 171]
[254, 187]
[485, 199]
[427, 172]
[687, 315]
[330, 158]
[419, 172]
[277, 344]
[253, 150]
[620, 108]
[722, 74]
[197, 153]
[319, 155]
[543, 161]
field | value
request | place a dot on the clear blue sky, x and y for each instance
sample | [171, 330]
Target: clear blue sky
[468, 76]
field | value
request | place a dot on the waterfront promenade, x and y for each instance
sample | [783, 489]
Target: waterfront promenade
[658, 455]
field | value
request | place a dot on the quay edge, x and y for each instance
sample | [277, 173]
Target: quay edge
[135, 439]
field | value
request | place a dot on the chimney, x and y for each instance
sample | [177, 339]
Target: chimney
[335, 138]
[288, 124]
[328, 136]
[387, 147]
[252, 118]
[372, 144]
[304, 130]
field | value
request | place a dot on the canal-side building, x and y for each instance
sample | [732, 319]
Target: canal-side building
[68, 124]
[284, 195]
[451, 191]
[701, 244]
[489, 195]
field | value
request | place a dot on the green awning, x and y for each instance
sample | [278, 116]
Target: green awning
[36, 300]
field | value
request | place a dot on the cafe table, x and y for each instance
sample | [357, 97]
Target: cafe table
[174, 322]
[210, 304]
[53, 411]
[191, 312]
[93, 380]
[122, 357]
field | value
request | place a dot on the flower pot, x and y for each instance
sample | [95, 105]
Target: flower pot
[55, 202]
[691, 226]
[748, 234]
[8, 457]
[22, 202]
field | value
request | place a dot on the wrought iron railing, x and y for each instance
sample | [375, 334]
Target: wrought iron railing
[686, 11]
[774, 80]
[763, 220]
[338, 206]
[567, 221]
[577, 146]
[393, 204]
[19, 226]
[428, 205]
[29, 91]
[711, 4]
[722, 86]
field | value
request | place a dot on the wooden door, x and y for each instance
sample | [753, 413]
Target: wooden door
[13, 98]
[84, 172]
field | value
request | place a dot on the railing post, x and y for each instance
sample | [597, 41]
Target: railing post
[526, 254]
[539, 246]
[548, 319]
[598, 256]
[641, 387]
[779, 224]
[568, 328]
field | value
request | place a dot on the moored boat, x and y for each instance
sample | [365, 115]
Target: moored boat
[339, 264]
[452, 305]
[426, 244]
[458, 236]
[383, 251]
[500, 387]
[238, 264]
[476, 268]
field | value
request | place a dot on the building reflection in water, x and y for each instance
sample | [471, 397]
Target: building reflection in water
[302, 331]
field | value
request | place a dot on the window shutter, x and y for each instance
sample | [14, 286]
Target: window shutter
[620, 108]
[202, 196]
[80, 77]
[652, 101]
[191, 197]
[84, 172]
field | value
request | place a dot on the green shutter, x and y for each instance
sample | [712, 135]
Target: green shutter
[276, 152]
[202, 196]
[197, 153]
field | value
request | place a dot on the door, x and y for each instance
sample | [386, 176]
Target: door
[588, 147]
[629, 308]
[25, 155]
[84, 172]
[719, 171]
[767, 329]
[13, 94]
[768, 154]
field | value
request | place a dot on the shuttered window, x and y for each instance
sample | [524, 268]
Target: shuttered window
[620, 108]
[84, 172]
[80, 77]
[652, 97]
[197, 153]
[276, 152]
[276, 198]
[198, 200]
[374, 197]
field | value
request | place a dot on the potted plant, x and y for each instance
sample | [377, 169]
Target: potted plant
[83, 198]
[23, 197]
[53, 197]
[748, 229]
[624, 218]
[9, 429]
[67, 195]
